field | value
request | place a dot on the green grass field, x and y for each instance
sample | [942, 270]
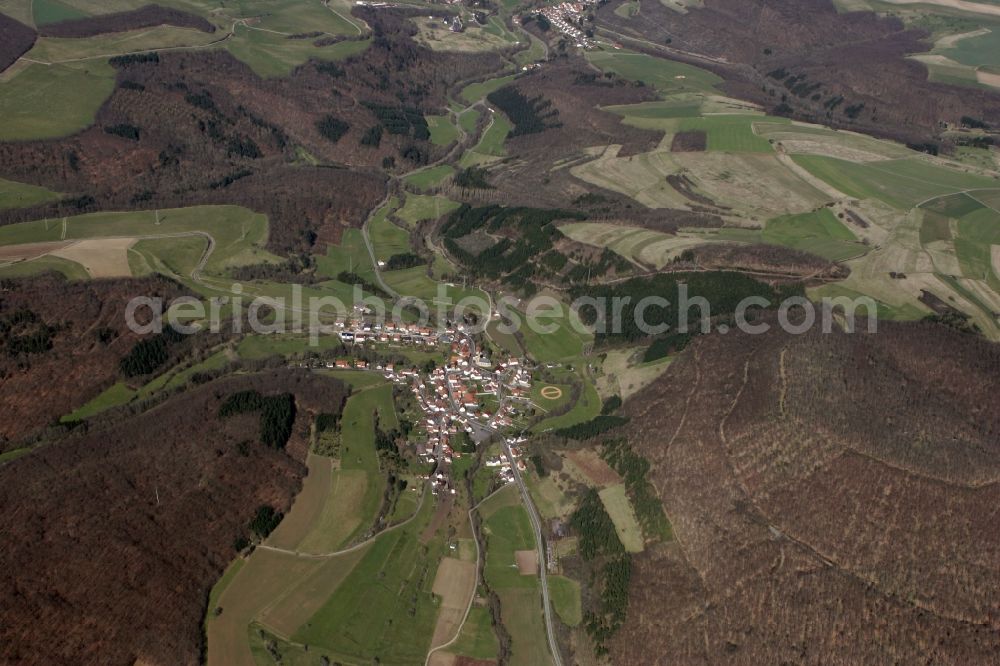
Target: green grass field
[256, 347]
[420, 207]
[476, 91]
[508, 529]
[414, 282]
[901, 183]
[667, 76]
[818, 232]
[565, 593]
[358, 445]
[428, 178]
[978, 233]
[351, 255]
[732, 134]
[271, 55]
[21, 195]
[442, 131]
[227, 577]
[477, 640]
[976, 51]
[53, 11]
[587, 406]
[177, 377]
[168, 256]
[357, 379]
[117, 394]
[46, 102]
[384, 609]
[387, 238]
[69, 269]
[239, 233]
[490, 146]
[553, 337]
[100, 47]
[468, 119]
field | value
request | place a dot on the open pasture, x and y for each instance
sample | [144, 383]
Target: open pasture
[239, 234]
[623, 516]
[586, 407]
[387, 238]
[385, 607]
[21, 195]
[101, 47]
[491, 145]
[415, 282]
[272, 55]
[667, 76]
[476, 640]
[442, 130]
[51, 101]
[565, 594]
[53, 11]
[733, 134]
[266, 576]
[342, 513]
[425, 179]
[307, 506]
[508, 530]
[477, 91]
[351, 255]
[455, 583]
[419, 207]
[818, 232]
[901, 183]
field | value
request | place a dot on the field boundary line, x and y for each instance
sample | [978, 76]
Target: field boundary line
[351, 549]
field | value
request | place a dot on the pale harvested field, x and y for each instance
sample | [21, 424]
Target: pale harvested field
[594, 470]
[265, 577]
[295, 605]
[102, 257]
[821, 140]
[626, 525]
[744, 182]
[442, 659]
[949, 41]
[996, 259]
[624, 377]
[26, 251]
[455, 583]
[648, 247]
[961, 5]
[340, 514]
[527, 562]
[308, 505]
[988, 79]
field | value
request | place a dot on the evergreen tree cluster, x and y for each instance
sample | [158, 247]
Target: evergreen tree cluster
[277, 414]
[332, 128]
[401, 120]
[24, 332]
[530, 115]
[149, 354]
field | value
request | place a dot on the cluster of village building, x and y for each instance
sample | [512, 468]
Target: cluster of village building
[565, 17]
[470, 398]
